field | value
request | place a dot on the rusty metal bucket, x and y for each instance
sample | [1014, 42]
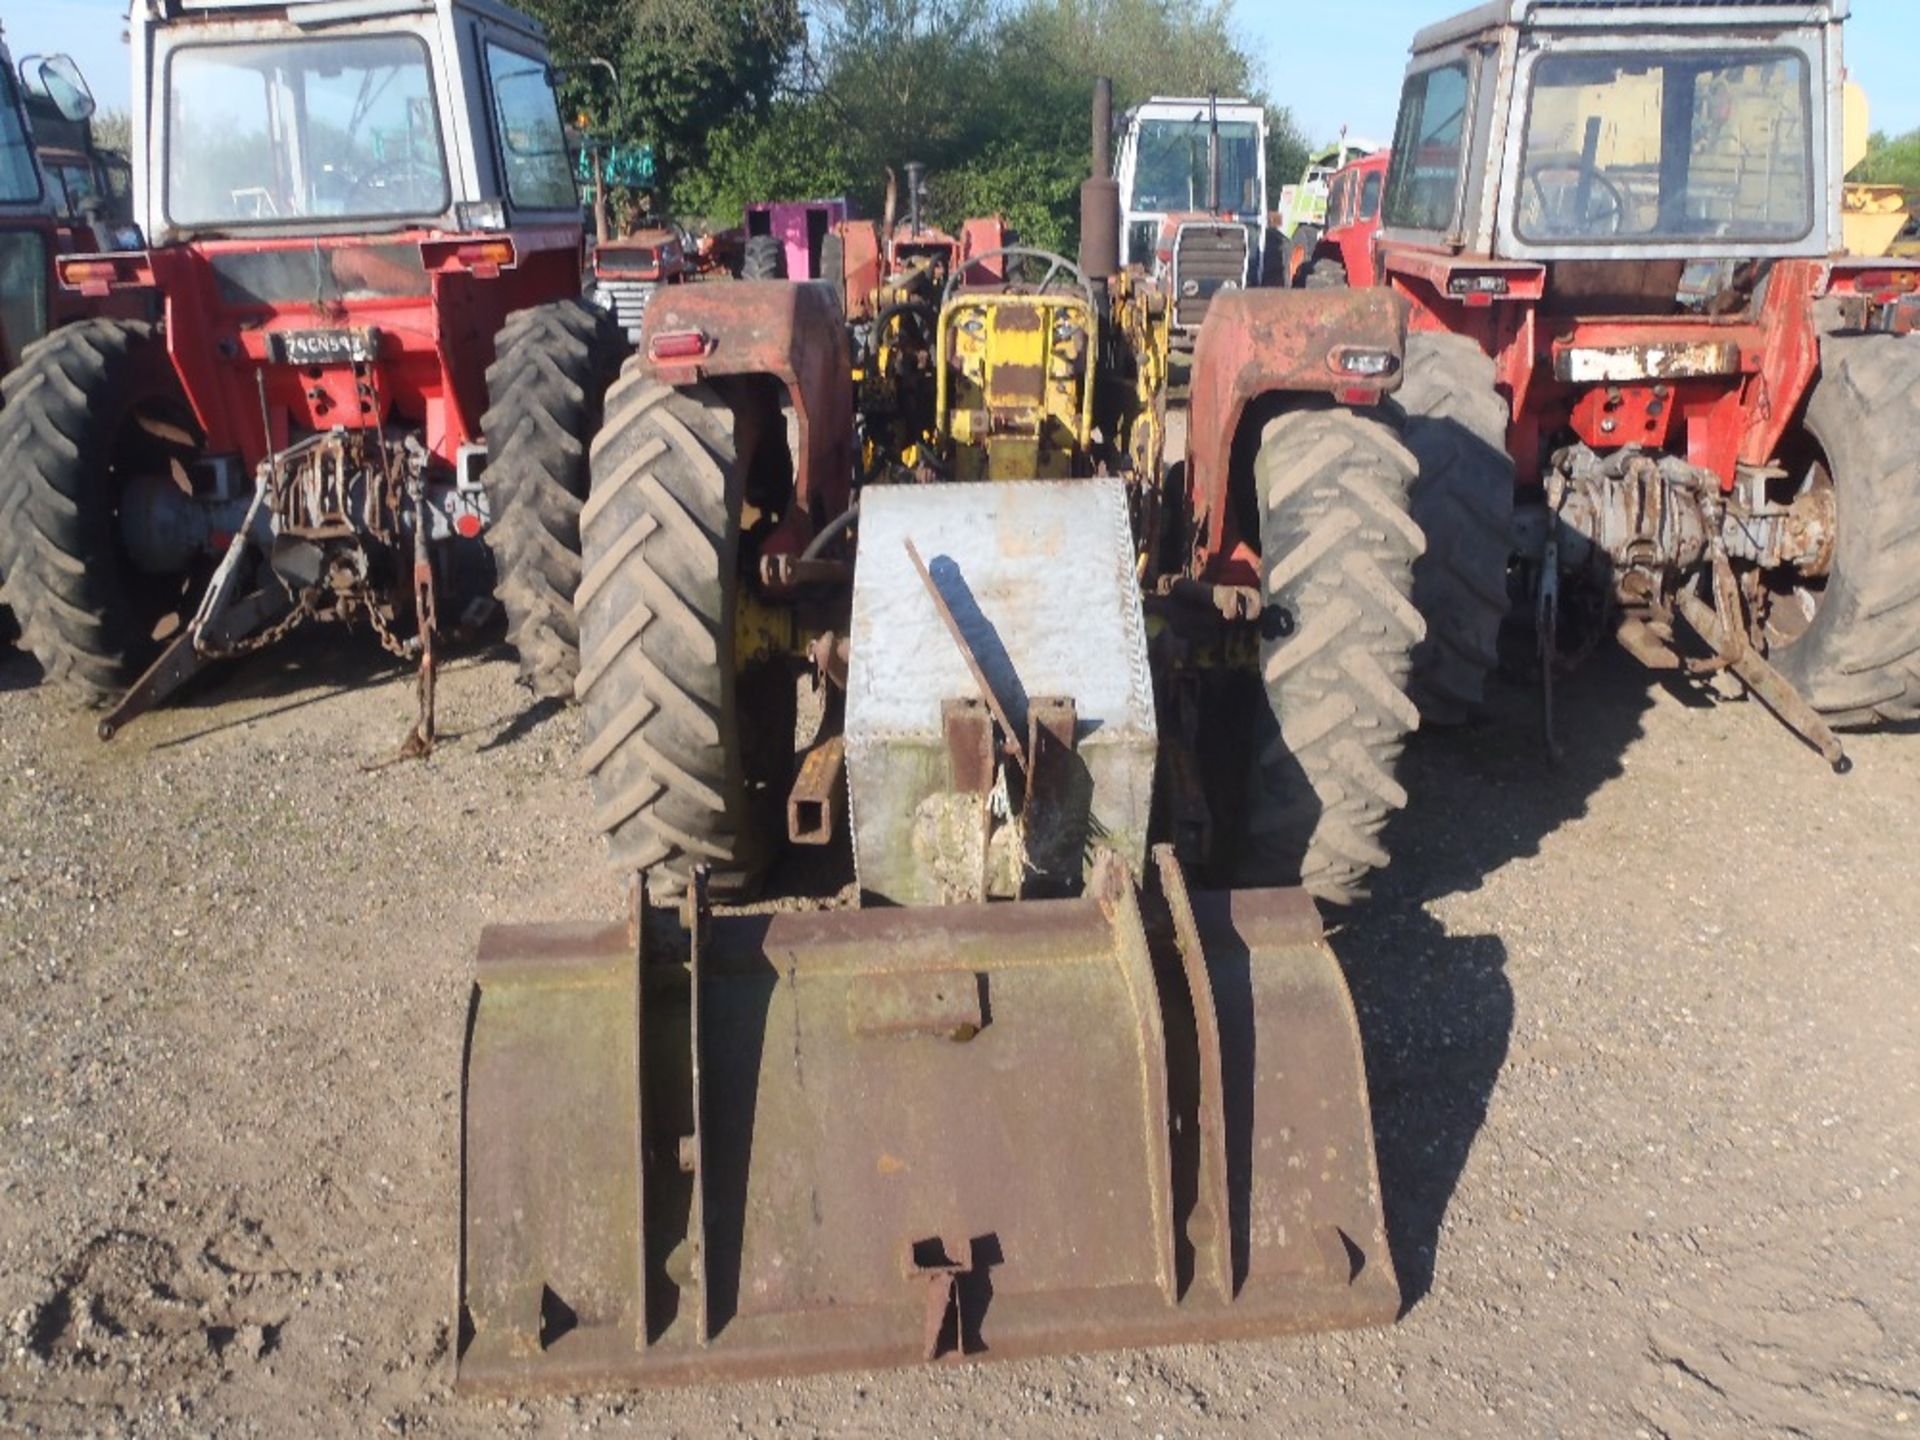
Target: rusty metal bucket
[701, 1147]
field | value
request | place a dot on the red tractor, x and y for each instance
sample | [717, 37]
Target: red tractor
[627, 272]
[39, 222]
[1343, 253]
[1619, 230]
[365, 245]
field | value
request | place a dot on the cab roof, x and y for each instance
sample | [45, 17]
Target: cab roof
[1616, 15]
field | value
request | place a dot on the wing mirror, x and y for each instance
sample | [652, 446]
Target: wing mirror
[60, 80]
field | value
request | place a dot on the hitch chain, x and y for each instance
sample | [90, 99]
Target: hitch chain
[302, 611]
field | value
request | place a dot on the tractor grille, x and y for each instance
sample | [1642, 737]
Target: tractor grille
[627, 300]
[1206, 259]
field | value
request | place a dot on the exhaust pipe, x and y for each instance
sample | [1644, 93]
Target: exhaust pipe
[1213, 154]
[916, 182]
[1100, 194]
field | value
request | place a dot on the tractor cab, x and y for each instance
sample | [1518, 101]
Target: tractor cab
[86, 187]
[258, 119]
[1192, 175]
[40, 102]
[1620, 144]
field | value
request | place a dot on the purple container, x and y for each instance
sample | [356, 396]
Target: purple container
[800, 226]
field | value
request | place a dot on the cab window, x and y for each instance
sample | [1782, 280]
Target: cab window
[533, 146]
[1424, 182]
[1370, 196]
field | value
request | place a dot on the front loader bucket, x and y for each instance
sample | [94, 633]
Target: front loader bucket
[767, 1144]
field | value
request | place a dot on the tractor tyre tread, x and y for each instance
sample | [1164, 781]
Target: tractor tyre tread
[1454, 420]
[1859, 661]
[660, 732]
[545, 389]
[60, 572]
[764, 258]
[1326, 273]
[1339, 546]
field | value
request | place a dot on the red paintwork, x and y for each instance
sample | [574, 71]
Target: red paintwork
[1256, 342]
[794, 332]
[1353, 217]
[435, 344]
[860, 265]
[61, 239]
[1718, 422]
[653, 254]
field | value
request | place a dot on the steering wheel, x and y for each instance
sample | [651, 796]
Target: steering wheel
[416, 182]
[1019, 259]
[1606, 206]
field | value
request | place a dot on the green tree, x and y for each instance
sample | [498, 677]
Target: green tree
[113, 131]
[683, 70]
[1891, 160]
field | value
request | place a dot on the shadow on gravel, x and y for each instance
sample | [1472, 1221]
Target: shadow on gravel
[1435, 1013]
[530, 717]
[1436, 1010]
[310, 667]
[1484, 794]
[18, 669]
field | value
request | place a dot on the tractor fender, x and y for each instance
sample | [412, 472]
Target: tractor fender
[1261, 342]
[790, 331]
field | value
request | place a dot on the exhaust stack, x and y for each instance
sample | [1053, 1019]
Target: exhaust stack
[1100, 194]
[1213, 154]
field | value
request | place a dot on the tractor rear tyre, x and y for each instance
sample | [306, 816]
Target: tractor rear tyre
[1300, 247]
[1339, 628]
[544, 390]
[665, 735]
[91, 407]
[1858, 658]
[1326, 273]
[1455, 423]
[765, 259]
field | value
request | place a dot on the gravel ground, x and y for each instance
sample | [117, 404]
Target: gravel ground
[1641, 1032]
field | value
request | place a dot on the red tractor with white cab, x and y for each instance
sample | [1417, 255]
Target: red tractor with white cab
[1619, 228]
[365, 245]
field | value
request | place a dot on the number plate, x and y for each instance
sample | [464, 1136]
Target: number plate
[321, 347]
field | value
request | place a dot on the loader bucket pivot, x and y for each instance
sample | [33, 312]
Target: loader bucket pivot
[848, 1139]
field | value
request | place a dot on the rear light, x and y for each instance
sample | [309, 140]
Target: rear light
[1886, 279]
[1357, 395]
[96, 275]
[467, 525]
[1371, 363]
[486, 257]
[677, 345]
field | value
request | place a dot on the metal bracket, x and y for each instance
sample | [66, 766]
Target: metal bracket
[819, 792]
[944, 1331]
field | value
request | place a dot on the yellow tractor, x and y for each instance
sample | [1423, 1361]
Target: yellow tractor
[1037, 1090]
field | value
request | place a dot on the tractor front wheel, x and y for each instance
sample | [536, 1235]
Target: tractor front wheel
[1455, 423]
[1853, 648]
[665, 733]
[544, 389]
[92, 408]
[1339, 628]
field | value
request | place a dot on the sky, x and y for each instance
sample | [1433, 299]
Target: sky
[1333, 65]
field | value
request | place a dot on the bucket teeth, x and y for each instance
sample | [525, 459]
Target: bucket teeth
[749, 1144]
